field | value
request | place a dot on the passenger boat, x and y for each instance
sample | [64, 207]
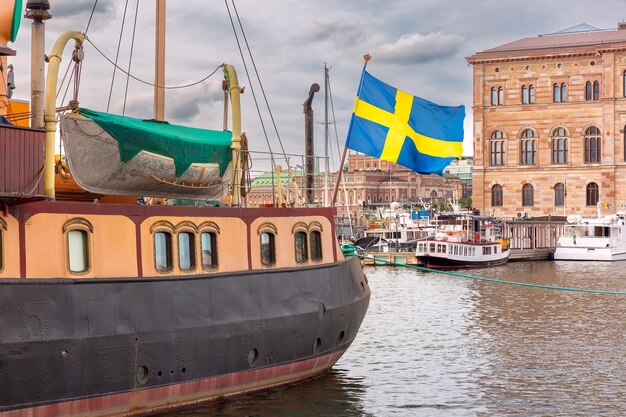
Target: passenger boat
[123, 309]
[592, 239]
[464, 240]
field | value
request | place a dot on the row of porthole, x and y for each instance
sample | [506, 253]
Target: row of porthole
[559, 65]
[143, 373]
[253, 354]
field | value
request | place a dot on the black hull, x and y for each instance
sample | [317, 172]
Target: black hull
[434, 262]
[67, 341]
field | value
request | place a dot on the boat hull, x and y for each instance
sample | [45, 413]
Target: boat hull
[434, 262]
[589, 254]
[99, 347]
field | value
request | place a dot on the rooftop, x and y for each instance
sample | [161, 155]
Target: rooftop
[578, 37]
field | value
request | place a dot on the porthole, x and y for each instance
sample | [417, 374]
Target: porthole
[269, 357]
[253, 357]
[497, 69]
[592, 63]
[142, 375]
[65, 353]
[317, 346]
[340, 338]
[527, 67]
[559, 65]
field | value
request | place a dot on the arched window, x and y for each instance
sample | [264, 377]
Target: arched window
[186, 251]
[559, 146]
[593, 147]
[524, 94]
[563, 92]
[496, 196]
[596, 90]
[494, 96]
[433, 194]
[531, 94]
[497, 144]
[268, 249]
[3, 228]
[559, 195]
[301, 247]
[588, 91]
[163, 251]
[593, 194]
[208, 249]
[528, 147]
[500, 96]
[316, 245]
[78, 234]
[528, 195]
[556, 93]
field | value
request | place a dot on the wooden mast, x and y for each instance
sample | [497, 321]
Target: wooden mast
[159, 77]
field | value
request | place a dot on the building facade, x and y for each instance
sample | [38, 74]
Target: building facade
[549, 116]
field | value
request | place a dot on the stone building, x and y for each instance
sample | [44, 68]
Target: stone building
[549, 116]
[367, 181]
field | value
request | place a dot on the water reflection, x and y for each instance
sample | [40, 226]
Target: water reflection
[334, 394]
[433, 345]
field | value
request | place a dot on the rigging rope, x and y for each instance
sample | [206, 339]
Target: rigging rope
[258, 78]
[256, 103]
[494, 280]
[91, 16]
[117, 54]
[166, 87]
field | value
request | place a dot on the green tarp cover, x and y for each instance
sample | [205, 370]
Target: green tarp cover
[185, 145]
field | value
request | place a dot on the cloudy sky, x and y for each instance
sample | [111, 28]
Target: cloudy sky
[417, 45]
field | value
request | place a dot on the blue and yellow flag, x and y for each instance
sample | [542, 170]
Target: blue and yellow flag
[395, 126]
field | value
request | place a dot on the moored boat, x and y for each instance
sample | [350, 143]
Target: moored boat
[464, 241]
[122, 309]
[592, 239]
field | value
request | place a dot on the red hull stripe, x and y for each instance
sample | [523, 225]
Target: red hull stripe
[171, 396]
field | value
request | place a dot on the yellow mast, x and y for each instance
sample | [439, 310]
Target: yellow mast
[235, 91]
[54, 61]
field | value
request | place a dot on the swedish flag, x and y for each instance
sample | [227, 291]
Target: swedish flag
[395, 126]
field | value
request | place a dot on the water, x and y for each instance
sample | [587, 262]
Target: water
[433, 345]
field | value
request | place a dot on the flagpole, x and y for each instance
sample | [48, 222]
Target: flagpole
[366, 57]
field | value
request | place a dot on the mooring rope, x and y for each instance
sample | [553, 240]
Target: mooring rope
[494, 280]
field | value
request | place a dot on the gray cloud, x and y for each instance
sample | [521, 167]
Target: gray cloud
[415, 48]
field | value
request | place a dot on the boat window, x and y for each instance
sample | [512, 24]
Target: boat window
[316, 245]
[432, 247]
[465, 251]
[268, 250]
[163, 251]
[208, 242]
[186, 251]
[299, 240]
[77, 249]
[1, 249]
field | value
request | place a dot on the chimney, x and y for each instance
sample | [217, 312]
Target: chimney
[621, 25]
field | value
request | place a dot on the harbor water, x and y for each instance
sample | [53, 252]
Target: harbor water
[435, 345]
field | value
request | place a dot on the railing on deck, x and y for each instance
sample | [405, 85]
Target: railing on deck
[21, 162]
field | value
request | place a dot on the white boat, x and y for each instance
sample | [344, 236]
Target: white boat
[464, 240]
[593, 239]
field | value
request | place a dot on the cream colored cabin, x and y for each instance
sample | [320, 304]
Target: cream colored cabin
[106, 245]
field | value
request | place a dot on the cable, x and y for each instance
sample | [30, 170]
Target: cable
[149, 83]
[117, 54]
[91, 16]
[494, 280]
